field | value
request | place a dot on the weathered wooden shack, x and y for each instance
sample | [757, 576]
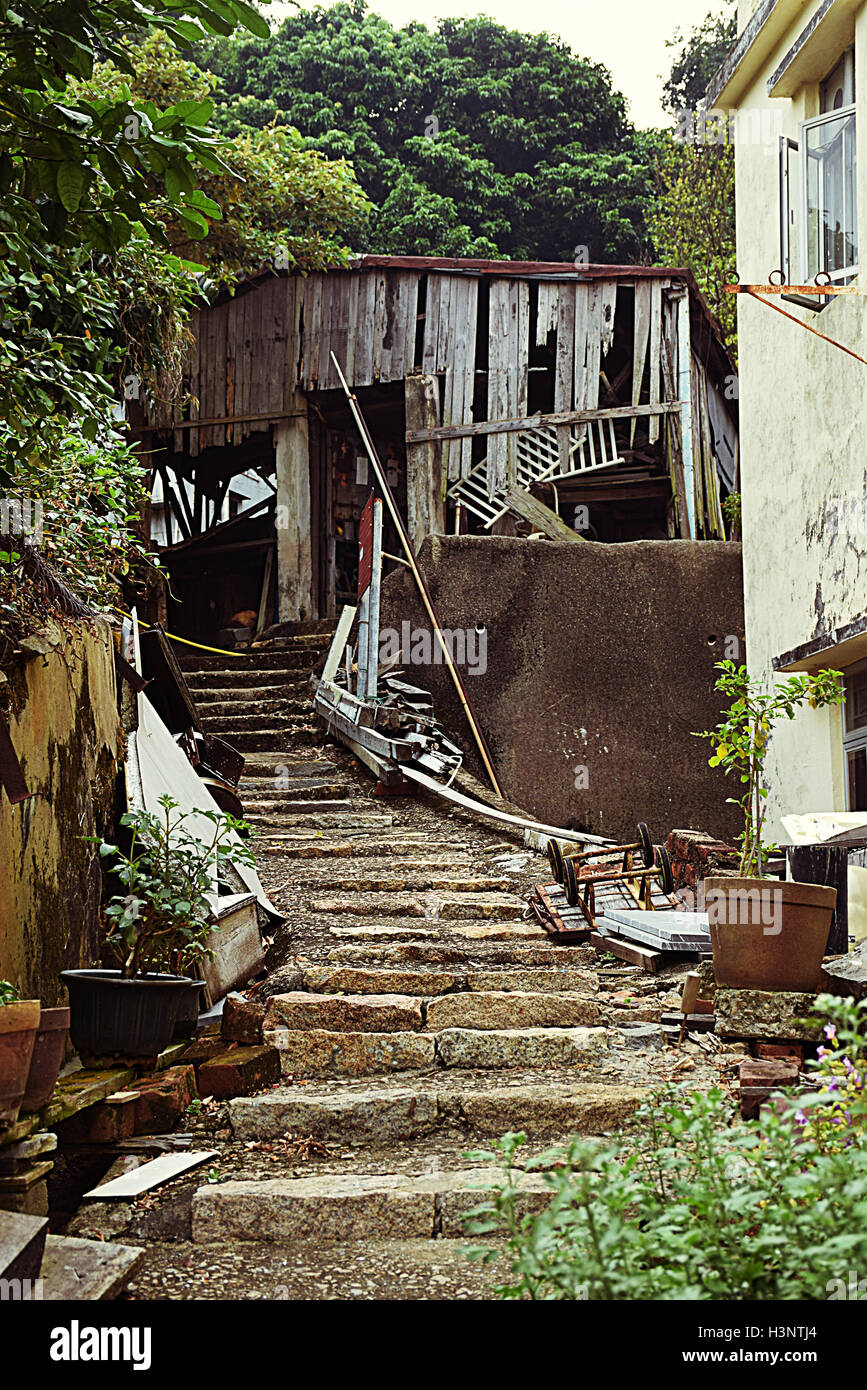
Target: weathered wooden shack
[580, 401]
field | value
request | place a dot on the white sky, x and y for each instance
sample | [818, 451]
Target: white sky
[628, 36]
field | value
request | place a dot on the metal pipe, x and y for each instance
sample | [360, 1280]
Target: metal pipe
[424, 592]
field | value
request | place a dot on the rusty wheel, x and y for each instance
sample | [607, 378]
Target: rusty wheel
[555, 859]
[570, 883]
[646, 845]
[666, 877]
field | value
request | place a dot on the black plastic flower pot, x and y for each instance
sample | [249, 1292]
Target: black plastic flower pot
[128, 1018]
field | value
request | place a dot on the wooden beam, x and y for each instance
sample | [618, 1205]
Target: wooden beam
[539, 516]
[425, 475]
[294, 548]
[535, 422]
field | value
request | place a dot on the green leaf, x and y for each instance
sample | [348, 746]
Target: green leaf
[70, 185]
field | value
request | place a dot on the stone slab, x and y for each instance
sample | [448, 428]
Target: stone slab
[511, 1010]
[528, 1047]
[362, 1013]
[753, 1013]
[22, 1241]
[92, 1270]
[333, 979]
[319, 1052]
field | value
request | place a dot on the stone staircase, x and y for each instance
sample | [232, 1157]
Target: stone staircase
[418, 1011]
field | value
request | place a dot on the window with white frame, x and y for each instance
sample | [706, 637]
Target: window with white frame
[855, 737]
[818, 203]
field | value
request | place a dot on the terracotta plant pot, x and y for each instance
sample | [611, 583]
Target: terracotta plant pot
[47, 1059]
[18, 1025]
[767, 934]
[125, 1018]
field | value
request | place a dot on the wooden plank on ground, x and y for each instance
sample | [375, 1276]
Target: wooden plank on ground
[651, 961]
[149, 1175]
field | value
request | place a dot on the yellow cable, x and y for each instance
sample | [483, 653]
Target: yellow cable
[218, 651]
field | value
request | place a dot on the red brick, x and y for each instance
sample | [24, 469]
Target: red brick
[104, 1123]
[164, 1098]
[240, 1071]
[772, 1073]
[243, 1020]
[786, 1050]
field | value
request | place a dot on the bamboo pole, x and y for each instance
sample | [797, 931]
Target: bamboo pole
[424, 592]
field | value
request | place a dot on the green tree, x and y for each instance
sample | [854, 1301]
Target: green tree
[691, 214]
[470, 139]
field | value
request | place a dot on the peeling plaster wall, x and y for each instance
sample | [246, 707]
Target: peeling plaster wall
[803, 419]
[66, 732]
[598, 657]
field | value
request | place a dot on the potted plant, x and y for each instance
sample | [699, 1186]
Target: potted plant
[19, 1019]
[765, 933]
[48, 1049]
[156, 929]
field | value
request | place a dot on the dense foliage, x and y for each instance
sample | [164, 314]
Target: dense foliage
[471, 139]
[696, 1203]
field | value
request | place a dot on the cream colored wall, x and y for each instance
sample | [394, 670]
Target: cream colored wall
[803, 441]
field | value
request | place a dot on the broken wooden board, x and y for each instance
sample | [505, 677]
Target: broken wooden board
[539, 516]
[149, 1175]
[235, 943]
[556, 916]
[86, 1270]
[651, 961]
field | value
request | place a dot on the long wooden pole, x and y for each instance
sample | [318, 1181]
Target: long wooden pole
[418, 576]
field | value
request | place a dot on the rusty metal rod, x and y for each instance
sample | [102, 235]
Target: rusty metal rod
[417, 575]
[809, 327]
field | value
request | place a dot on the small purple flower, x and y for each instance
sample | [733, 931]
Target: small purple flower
[800, 1118]
[830, 1031]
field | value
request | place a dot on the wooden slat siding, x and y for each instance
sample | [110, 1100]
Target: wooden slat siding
[339, 330]
[194, 359]
[579, 368]
[392, 325]
[444, 332]
[595, 329]
[353, 296]
[411, 297]
[324, 334]
[292, 345]
[641, 335]
[522, 369]
[609, 314]
[364, 344]
[245, 366]
[220, 315]
[546, 313]
[565, 365]
[655, 349]
[497, 410]
[379, 322]
[431, 326]
[470, 331]
[313, 330]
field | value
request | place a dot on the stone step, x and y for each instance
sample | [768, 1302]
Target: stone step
[396, 1013]
[323, 1053]
[235, 710]
[263, 813]
[445, 907]
[422, 933]
[235, 695]
[392, 1112]
[352, 1206]
[402, 879]
[268, 813]
[261, 664]
[265, 740]
[268, 764]
[230, 685]
[330, 820]
[271, 799]
[265, 721]
[440, 955]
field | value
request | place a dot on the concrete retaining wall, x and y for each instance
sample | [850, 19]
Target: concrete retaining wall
[599, 665]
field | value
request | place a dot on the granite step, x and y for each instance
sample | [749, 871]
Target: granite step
[324, 1053]
[392, 1112]
[395, 1013]
[352, 1206]
[445, 907]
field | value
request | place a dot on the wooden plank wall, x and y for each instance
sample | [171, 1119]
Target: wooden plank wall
[449, 347]
[368, 320]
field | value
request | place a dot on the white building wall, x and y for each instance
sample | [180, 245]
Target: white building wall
[803, 442]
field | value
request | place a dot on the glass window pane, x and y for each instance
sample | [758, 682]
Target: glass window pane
[832, 236]
[857, 762]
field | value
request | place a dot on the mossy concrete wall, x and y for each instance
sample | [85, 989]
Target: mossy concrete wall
[599, 665]
[62, 708]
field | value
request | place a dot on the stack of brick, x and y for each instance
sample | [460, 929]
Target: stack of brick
[696, 856]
